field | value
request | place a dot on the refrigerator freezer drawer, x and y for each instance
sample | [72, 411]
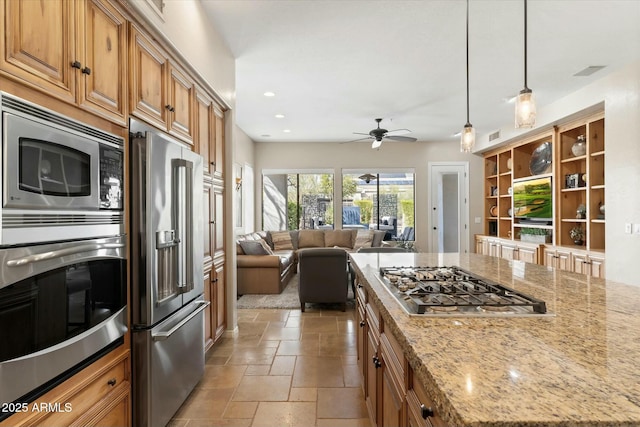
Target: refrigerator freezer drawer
[168, 363]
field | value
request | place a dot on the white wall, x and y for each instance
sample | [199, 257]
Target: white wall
[359, 155]
[620, 92]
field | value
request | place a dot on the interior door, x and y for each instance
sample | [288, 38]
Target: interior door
[448, 201]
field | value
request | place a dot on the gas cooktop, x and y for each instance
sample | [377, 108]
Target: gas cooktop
[454, 291]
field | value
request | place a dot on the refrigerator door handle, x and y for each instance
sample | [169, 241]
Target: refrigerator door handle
[164, 335]
[182, 193]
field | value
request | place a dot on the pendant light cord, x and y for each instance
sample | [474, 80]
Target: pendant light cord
[525, 44]
[468, 62]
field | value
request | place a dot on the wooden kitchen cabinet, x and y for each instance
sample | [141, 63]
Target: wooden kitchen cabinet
[589, 263]
[421, 411]
[161, 92]
[97, 395]
[361, 335]
[558, 258]
[74, 51]
[373, 364]
[392, 390]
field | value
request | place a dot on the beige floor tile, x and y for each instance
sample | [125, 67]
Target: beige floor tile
[263, 388]
[320, 324]
[283, 365]
[351, 376]
[285, 414]
[222, 422]
[178, 423]
[217, 360]
[270, 315]
[303, 394]
[281, 333]
[252, 356]
[341, 403]
[241, 410]
[258, 370]
[347, 326]
[205, 403]
[270, 343]
[316, 371]
[298, 348]
[354, 422]
[350, 359]
[294, 322]
[222, 376]
[337, 345]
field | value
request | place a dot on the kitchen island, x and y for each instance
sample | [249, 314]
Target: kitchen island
[576, 365]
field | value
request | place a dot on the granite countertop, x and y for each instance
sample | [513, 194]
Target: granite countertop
[575, 367]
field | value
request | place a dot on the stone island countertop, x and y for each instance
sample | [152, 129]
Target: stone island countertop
[578, 366]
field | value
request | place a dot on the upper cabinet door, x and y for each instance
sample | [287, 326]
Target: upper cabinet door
[204, 128]
[103, 86]
[181, 103]
[39, 45]
[148, 67]
[217, 148]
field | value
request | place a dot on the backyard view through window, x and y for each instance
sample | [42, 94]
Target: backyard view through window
[293, 201]
[379, 201]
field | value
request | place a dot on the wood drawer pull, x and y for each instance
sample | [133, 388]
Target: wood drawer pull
[426, 412]
[112, 382]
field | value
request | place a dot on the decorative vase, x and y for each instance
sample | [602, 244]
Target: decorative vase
[579, 148]
[578, 242]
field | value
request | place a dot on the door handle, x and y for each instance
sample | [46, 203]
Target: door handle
[161, 336]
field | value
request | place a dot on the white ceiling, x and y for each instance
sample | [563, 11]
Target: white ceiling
[337, 65]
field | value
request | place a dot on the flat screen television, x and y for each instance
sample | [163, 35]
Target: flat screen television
[533, 200]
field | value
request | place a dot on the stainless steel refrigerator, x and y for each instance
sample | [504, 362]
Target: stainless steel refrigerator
[166, 274]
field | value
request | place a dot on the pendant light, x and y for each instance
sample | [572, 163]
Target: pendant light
[468, 136]
[525, 102]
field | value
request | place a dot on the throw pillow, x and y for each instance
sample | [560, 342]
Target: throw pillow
[378, 236]
[340, 238]
[281, 240]
[363, 239]
[255, 247]
[311, 239]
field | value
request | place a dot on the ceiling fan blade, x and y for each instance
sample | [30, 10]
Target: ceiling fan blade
[355, 140]
[360, 133]
[401, 138]
[399, 132]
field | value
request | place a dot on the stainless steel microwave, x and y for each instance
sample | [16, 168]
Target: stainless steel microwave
[61, 179]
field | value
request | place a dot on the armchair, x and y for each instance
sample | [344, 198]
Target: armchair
[324, 276]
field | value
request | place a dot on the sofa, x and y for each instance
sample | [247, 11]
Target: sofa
[266, 260]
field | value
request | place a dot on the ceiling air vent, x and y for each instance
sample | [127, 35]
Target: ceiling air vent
[589, 70]
[494, 135]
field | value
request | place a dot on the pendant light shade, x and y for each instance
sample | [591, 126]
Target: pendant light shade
[468, 136]
[525, 102]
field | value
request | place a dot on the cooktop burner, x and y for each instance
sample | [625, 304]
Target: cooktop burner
[454, 291]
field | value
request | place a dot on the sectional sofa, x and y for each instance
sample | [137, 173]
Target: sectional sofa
[266, 260]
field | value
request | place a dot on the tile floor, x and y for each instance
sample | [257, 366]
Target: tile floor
[284, 368]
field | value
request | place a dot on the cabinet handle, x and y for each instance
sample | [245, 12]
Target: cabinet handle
[359, 285]
[76, 64]
[425, 412]
[86, 70]
[170, 108]
[112, 382]
[362, 323]
[213, 163]
[212, 222]
[376, 362]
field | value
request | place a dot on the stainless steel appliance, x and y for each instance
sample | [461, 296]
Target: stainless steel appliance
[453, 291]
[166, 274]
[61, 179]
[62, 306]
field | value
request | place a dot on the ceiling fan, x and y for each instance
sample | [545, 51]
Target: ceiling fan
[378, 134]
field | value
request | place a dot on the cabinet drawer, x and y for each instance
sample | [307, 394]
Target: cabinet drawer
[420, 404]
[86, 397]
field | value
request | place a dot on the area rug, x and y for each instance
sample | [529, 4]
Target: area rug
[288, 299]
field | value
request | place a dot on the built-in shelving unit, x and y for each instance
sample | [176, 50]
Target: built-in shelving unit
[577, 176]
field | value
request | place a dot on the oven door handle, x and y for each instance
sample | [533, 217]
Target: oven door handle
[164, 335]
[31, 259]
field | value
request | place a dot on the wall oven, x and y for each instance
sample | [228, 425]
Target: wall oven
[61, 179]
[63, 294]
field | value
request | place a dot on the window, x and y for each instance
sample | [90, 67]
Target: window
[379, 201]
[292, 201]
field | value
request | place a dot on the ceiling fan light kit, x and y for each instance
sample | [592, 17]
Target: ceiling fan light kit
[525, 102]
[468, 135]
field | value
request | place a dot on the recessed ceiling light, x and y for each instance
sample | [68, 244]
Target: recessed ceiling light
[269, 94]
[266, 136]
[279, 116]
[286, 130]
